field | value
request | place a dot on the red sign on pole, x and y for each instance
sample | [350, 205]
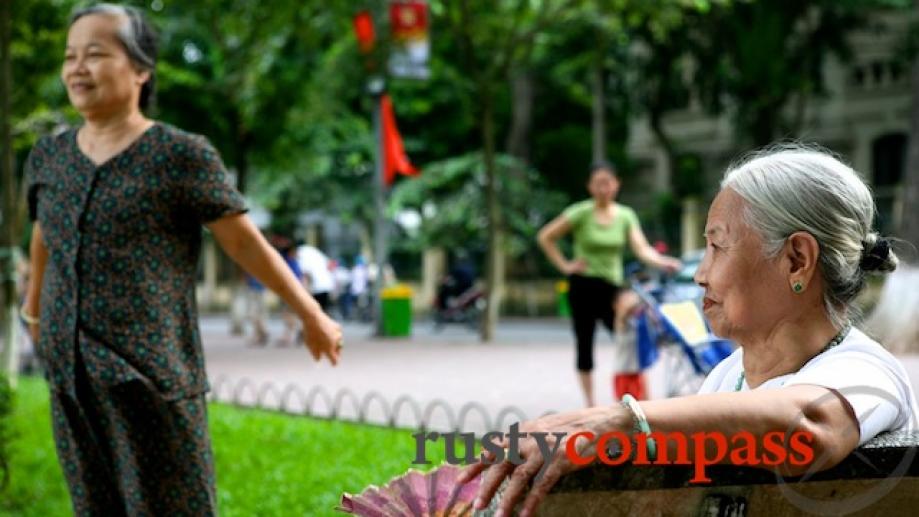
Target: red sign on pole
[363, 29]
[408, 20]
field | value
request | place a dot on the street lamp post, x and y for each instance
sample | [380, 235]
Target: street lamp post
[376, 87]
[408, 21]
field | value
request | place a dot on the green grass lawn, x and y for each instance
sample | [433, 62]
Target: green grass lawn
[267, 463]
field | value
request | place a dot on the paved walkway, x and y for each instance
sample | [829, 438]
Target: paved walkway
[529, 367]
[526, 372]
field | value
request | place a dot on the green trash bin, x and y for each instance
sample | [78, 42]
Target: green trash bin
[561, 294]
[397, 311]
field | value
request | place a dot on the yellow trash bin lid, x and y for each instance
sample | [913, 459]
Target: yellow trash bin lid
[396, 292]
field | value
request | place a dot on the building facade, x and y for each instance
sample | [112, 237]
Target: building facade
[864, 117]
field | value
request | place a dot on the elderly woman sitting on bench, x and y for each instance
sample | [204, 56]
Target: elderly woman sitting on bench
[789, 245]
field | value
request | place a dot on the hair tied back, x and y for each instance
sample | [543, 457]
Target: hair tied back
[875, 255]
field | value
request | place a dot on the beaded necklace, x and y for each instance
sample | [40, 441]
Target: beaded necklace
[837, 339]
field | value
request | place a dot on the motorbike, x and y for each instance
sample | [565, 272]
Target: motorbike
[464, 308]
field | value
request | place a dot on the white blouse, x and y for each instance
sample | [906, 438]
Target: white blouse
[869, 378]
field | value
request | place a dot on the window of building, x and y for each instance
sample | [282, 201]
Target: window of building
[888, 162]
[888, 159]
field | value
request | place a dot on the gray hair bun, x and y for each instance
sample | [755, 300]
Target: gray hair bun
[877, 255]
[789, 189]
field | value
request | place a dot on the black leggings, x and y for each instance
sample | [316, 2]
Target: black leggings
[591, 299]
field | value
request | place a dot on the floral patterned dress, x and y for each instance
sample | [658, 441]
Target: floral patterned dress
[119, 336]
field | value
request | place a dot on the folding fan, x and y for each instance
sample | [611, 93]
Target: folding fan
[415, 494]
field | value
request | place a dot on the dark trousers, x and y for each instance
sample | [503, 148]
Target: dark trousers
[127, 451]
[590, 299]
[324, 301]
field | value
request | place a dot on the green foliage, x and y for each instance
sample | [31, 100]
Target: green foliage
[38, 99]
[448, 197]
[6, 412]
[240, 76]
[688, 176]
[280, 89]
[762, 56]
[267, 463]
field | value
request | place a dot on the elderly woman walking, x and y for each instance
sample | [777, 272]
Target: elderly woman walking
[789, 246]
[118, 205]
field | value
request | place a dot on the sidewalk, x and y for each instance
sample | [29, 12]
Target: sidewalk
[530, 366]
[526, 372]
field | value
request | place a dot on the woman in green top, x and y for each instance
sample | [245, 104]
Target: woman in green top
[601, 229]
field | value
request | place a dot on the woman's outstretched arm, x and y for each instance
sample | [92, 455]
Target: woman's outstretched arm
[246, 245]
[647, 254]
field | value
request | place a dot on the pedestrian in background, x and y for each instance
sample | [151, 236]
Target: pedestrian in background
[315, 267]
[256, 310]
[602, 230]
[291, 324]
[343, 298]
[360, 284]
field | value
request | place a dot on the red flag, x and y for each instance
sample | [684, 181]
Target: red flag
[363, 29]
[395, 159]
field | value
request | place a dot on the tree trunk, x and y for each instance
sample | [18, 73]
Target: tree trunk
[518, 142]
[8, 301]
[800, 117]
[518, 138]
[433, 269]
[494, 266]
[765, 124]
[670, 151]
[598, 112]
[366, 241]
[242, 163]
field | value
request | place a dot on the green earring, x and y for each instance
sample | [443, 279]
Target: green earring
[797, 287]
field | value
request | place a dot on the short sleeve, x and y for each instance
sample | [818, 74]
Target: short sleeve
[34, 178]
[874, 392]
[576, 213]
[203, 185]
[716, 378]
[631, 218]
